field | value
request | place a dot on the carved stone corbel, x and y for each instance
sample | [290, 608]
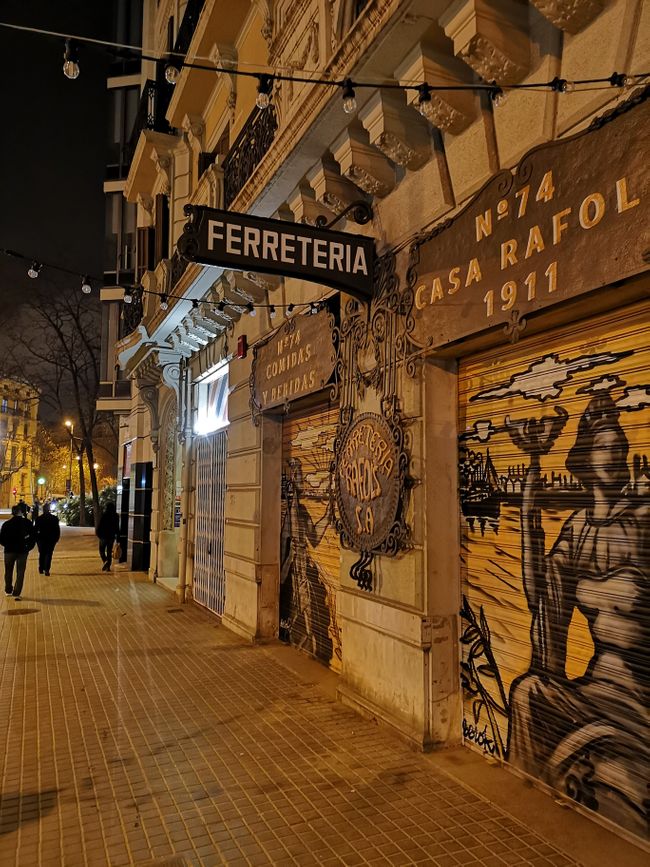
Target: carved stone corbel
[146, 203]
[451, 111]
[391, 127]
[149, 395]
[490, 36]
[214, 177]
[265, 10]
[570, 15]
[163, 164]
[364, 165]
[305, 208]
[330, 188]
[225, 56]
[194, 128]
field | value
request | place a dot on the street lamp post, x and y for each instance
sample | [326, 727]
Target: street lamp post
[70, 426]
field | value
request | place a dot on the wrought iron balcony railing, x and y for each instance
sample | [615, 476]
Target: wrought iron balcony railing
[244, 156]
[151, 111]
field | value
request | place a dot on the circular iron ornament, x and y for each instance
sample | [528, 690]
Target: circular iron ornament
[368, 481]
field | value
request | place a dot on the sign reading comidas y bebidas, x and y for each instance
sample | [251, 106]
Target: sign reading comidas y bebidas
[295, 361]
[573, 218]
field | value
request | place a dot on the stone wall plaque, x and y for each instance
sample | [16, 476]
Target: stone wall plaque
[573, 217]
[296, 360]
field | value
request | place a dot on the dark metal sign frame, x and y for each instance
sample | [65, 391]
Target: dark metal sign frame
[246, 243]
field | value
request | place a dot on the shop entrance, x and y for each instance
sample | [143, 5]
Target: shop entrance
[209, 587]
[555, 546]
[310, 552]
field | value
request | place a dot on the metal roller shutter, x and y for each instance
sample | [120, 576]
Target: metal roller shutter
[209, 586]
[555, 557]
[310, 551]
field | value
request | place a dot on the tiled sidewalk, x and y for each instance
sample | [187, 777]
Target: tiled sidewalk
[137, 730]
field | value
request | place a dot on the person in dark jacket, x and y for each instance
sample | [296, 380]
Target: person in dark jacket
[48, 534]
[107, 532]
[17, 538]
[36, 509]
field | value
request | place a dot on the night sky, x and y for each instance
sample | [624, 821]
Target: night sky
[53, 144]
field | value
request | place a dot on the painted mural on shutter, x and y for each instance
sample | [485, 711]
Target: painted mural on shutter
[555, 535]
[209, 576]
[310, 551]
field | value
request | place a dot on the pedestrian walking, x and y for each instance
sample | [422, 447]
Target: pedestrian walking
[17, 537]
[48, 534]
[107, 531]
[36, 508]
[24, 508]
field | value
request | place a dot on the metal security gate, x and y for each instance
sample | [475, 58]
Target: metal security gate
[209, 577]
[555, 535]
[310, 551]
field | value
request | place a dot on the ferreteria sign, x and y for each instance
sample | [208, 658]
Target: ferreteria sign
[573, 217]
[246, 243]
[296, 360]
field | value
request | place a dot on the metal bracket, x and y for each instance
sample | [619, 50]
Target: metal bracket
[361, 214]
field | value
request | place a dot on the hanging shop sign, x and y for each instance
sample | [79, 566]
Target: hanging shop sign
[369, 483]
[573, 217]
[245, 243]
[296, 360]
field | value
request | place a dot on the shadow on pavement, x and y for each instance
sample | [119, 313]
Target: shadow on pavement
[17, 809]
[17, 611]
[87, 603]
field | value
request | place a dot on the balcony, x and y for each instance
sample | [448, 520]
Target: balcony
[250, 146]
[151, 112]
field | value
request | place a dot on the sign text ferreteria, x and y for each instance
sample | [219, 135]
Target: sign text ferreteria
[245, 243]
[573, 218]
[297, 359]
[368, 482]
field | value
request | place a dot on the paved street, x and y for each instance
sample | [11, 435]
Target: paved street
[138, 731]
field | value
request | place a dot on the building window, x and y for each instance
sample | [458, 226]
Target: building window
[4, 405]
[14, 456]
[119, 242]
[26, 431]
[211, 402]
[122, 113]
[24, 461]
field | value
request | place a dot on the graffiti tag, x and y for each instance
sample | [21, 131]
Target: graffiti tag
[480, 738]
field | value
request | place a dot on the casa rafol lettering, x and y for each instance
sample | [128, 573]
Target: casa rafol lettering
[246, 243]
[567, 221]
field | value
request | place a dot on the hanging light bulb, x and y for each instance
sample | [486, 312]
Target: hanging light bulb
[86, 288]
[164, 304]
[195, 303]
[313, 307]
[497, 94]
[619, 79]
[272, 311]
[290, 309]
[34, 270]
[250, 309]
[172, 73]
[264, 87]
[561, 85]
[425, 106]
[349, 99]
[71, 68]
[128, 297]
[221, 306]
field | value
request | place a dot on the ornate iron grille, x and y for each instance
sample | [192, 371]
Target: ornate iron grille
[244, 156]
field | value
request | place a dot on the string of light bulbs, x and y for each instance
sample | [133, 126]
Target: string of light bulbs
[36, 268]
[175, 62]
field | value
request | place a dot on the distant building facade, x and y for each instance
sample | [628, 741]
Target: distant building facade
[18, 449]
[428, 492]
